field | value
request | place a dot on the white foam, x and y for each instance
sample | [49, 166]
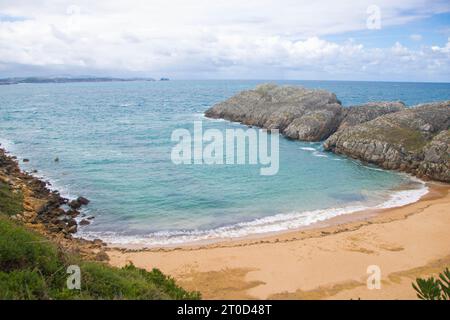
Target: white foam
[275, 223]
[6, 144]
[319, 154]
[404, 197]
[203, 117]
[307, 148]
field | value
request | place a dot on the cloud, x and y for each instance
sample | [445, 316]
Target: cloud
[416, 37]
[213, 39]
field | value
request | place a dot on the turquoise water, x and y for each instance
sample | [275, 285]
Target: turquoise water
[113, 142]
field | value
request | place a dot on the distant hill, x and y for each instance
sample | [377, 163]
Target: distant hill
[7, 81]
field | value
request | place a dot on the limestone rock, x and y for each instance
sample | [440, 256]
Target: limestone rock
[414, 140]
[298, 113]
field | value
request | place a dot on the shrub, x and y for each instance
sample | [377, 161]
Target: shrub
[434, 289]
[33, 268]
[22, 249]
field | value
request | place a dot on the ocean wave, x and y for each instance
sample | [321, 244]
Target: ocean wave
[308, 148]
[276, 223]
[319, 154]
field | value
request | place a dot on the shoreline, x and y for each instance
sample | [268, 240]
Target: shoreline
[342, 222]
[322, 263]
[43, 212]
[362, 214]
[357, 213]
[339, 219]
[342, 214]
[407, 241]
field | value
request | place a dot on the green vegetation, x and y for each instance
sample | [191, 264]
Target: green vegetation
[32, 267]
[434, 289]
[411, 139]
[10, 201]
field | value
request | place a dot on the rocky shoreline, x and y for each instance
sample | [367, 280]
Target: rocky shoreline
[415, 140]
[47, 212]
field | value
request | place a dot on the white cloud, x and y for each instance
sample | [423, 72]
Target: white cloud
[209, 39]
[416, 37]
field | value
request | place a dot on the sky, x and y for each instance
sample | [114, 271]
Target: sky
[385, 40]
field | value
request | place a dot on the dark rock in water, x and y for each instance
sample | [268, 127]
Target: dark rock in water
[74, 204]
[84, 222]
[297, 112]
[56, 159]
[78, 202]
[73, 213]
[415, 140]
[362, 113]
[26, 160]
[83, 201]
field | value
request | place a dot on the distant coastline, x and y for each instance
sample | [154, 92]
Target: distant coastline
[17, 80]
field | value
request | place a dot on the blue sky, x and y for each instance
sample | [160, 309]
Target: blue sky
[200, 39]
[433, 30]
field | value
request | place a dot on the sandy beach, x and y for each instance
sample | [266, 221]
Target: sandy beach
[328, 261]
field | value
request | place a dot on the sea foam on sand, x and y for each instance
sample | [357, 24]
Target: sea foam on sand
[276, 223]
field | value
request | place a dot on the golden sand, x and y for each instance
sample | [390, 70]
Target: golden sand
[328, 261]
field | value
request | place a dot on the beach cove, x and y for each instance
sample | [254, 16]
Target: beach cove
[311, 231]
[328, 262]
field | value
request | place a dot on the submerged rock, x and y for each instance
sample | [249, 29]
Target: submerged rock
[298, 113]
[83, 201]
[78, 202]
[413, 140]
[84, 222]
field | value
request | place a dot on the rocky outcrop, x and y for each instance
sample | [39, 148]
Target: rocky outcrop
[43, 209]
[362, 113]
[298, 113]
[42, 206]
[388, 134]
[414, 140]
[436, 162]
[78, 202]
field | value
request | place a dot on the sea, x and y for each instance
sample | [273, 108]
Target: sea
[113, 142]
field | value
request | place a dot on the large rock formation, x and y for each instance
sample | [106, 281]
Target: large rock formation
[298, 113]
[436, 162]
[362, 113]
[415, 140]
[388, 134]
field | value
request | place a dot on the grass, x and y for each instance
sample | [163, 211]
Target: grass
[411, 139]
[11, 202]
[32, 267]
